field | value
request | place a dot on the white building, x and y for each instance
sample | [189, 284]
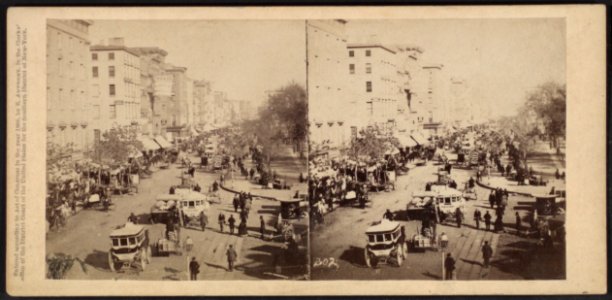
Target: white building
[68, 101]
[115, 86]
[375, 85]
[329, 105]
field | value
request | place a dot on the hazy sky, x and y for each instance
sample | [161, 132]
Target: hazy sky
[500, 59]
[242, 58]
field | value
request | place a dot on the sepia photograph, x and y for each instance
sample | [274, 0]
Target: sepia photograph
[176, 150]
[306, 151]
[448, 159]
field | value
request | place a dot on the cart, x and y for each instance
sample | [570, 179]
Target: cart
[383, 244]
[130, 248]
[418, 204]
[163, 208]
[423, 240]
[169, 243]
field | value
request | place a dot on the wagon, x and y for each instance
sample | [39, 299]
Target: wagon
[163, 207]
[169, 243]
[384, 244]
[422, 240]
[130, 248]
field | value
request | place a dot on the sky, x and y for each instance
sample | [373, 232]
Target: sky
[242, 58]
[500, 59]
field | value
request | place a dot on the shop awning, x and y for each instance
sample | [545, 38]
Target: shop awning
[406, 141]
[148, 143]
[162, 142]
[419, 139]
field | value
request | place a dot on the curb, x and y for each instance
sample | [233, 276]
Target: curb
[509, 191]
[236, 192]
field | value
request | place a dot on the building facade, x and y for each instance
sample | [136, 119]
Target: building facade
[68, 101]
[152, 62]
[115, 85]
[202, 96]
[436, 100]
[375, 85]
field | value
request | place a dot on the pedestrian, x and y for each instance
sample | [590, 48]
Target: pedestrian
[188, 244]
[492, 198]
[471, 183]
[262, 226]
[203, 221]
[171, 191]
[487, 252]
[518, 222]
[221, 179]
[221, 221]
[236, 202]
[133, 218]
[194, 269]
[459, 217]
[197, 188]
[477, 218]
[231, 257]
[232, 222]
[251, 173]
[449, 267]
[487, 219]
[388, 215]
[215, 186]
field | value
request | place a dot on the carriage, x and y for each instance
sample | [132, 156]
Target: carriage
[192, 209]
[130, 247]
[384, 244]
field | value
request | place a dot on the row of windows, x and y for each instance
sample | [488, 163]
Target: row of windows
[111, 56]
[368, 53]
[368, 68]
[111, 71]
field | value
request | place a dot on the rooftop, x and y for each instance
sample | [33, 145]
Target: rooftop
[370, 45]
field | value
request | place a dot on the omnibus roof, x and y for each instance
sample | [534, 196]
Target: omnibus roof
[383, 226]
[129, 229]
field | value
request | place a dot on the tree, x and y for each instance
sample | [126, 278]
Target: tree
[548, 101]
[289, 109]
[369, 144]
[116, 146]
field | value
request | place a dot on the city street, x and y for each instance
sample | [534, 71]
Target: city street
[86, 234]
[342, 237]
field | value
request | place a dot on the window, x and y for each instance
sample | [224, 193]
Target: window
[368, 68]
[368, 86]
[111, 71]
[368, 53]
[112, 111]
[94, 71]
[111, 56]
[352, 68]
[115, 242]
[351, 53]
[94, 56]
[111, 89]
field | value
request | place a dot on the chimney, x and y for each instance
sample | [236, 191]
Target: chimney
[116, 41]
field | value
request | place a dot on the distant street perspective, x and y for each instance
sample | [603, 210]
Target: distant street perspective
[153, 175]
[418, 170]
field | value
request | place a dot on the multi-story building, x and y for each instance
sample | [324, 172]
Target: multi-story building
[375, 84]
[436, 99]
[152, 61]
[68, 102]
[115, 85]
[328, 101]
[179, 101]
[202, 95]
[411, 105]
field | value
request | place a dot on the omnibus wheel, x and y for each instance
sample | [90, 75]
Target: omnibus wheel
[366, 254]
[399, 256]
[143, 260]
[111, 262]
